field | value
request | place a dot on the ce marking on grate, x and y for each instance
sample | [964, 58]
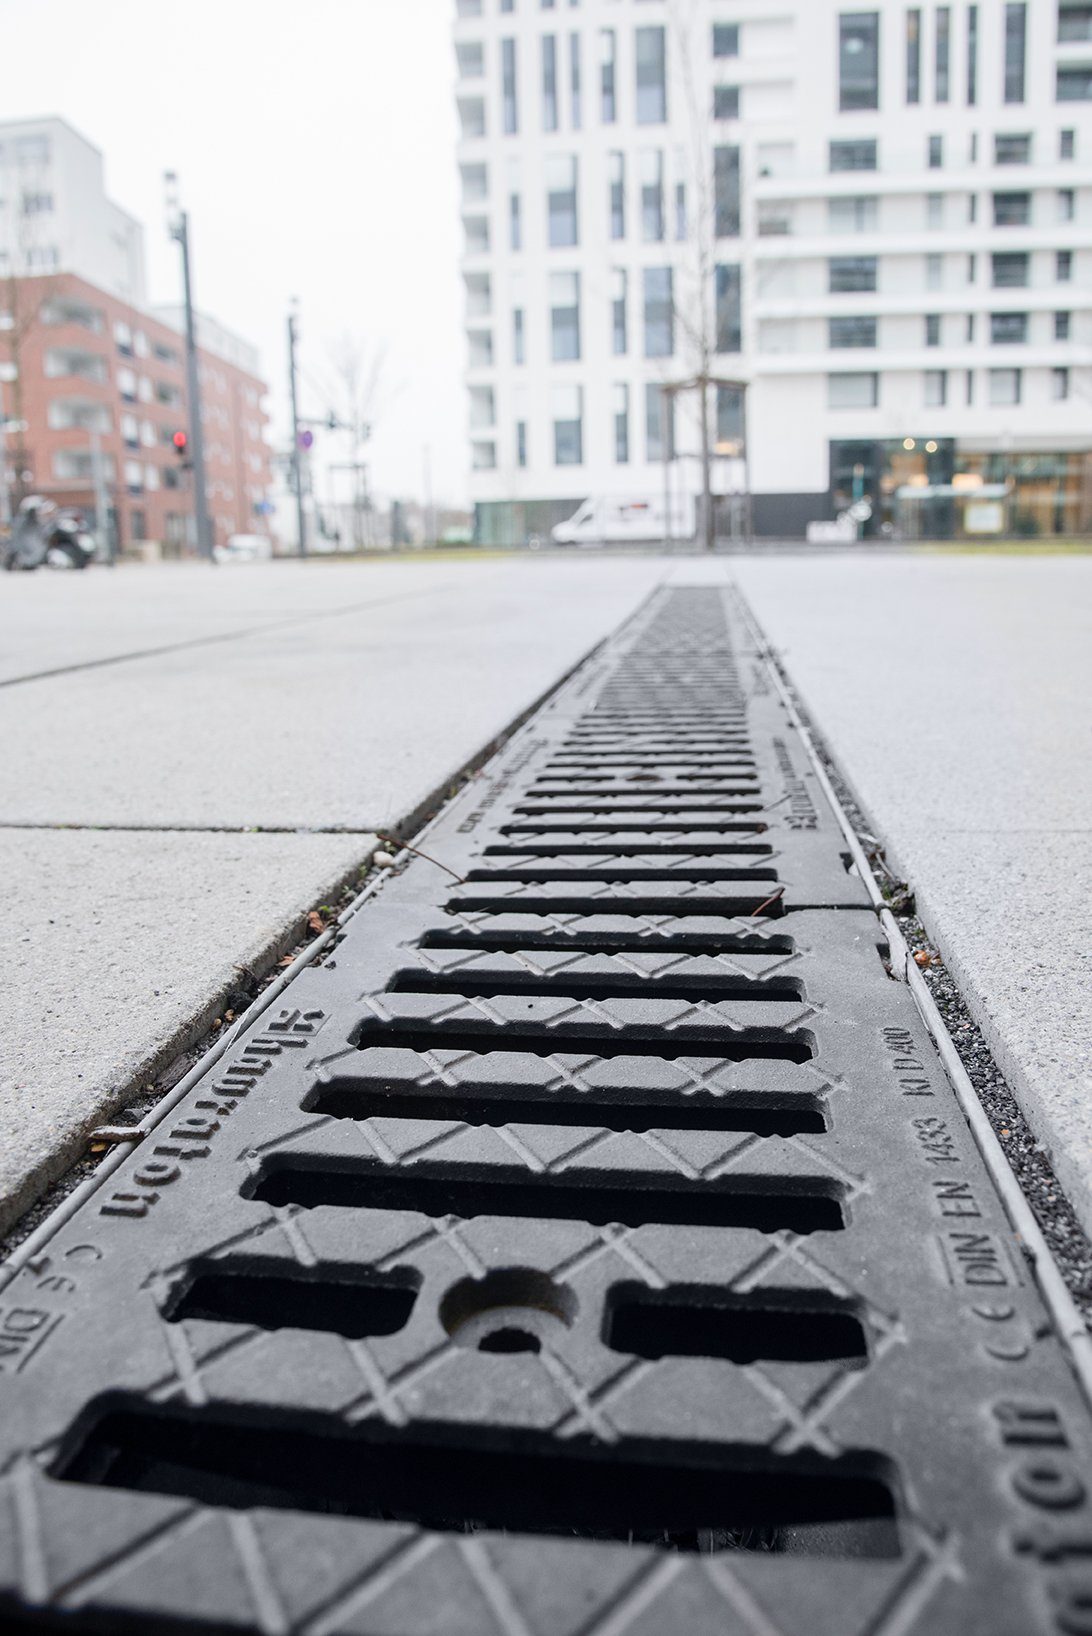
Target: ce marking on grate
[594, 1247]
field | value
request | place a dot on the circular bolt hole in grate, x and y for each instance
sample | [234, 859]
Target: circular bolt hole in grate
[514, 1309]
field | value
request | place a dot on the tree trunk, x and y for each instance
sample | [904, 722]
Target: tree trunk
[708, 520]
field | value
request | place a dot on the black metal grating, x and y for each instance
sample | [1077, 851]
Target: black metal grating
[591, 1248]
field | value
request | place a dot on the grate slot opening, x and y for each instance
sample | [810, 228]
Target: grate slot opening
[650, 804]
[283, 1295]
[674, 1496]
[596, 942]
[764, 1115]
[537, 875]
[630, 1198]
[767, 906]
[631, 849]
[626, 986]
[703, 1321]
[726, 1044]
[609, 827]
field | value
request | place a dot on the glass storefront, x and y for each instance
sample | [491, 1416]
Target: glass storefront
[930, 488]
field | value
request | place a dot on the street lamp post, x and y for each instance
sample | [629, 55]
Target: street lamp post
[178, 225]
[297, 452]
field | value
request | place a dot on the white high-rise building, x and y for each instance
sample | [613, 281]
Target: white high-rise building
[876, 219]
[55, 216]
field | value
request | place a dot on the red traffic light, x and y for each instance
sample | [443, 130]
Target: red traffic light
[180, 441]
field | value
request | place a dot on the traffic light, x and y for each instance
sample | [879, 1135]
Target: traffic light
[181, 444]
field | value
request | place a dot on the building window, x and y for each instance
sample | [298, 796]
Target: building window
[972, 207]
[549, 82]
[1012, 149]
[934, 210]
[652, 195]
[972, 56]
[617, 195]
[1059, 384]
[1074, 84]
[1062, 322]
[730, 423]
[726, 102]
[970, 328]
[471, 117]
[515, 221]
[1067, 144]
[1067, 204]
[576, 106]
[1074, 21]
[942, 44]
[483, 456]
[470, 59]
[972, 267]
[519, 339]
[859, 60]
[1063, 266]
[936, 388]
[726, 39]
[934, 271]
[1008, 328]
[561, 200]
[851, 332]
[1012, 209]
[969, 386]
[1010, 269]
[932, 329]
[608, 50]
[567, 406]
[564, 317]
[728, 291]
[618, 318]
[913, 55]
[855, 155]
[659, 423]
[509, 94]
[479, 348]
[857, 391]
[521, 443]
[475, 183]
[621, 424]
[482, 408]
[860, 214]
[659, 312]
[680, 212]
[726, 192]
[936, 152]
[468, 8]
[476, 229]
[651, 45]
[1016, 26]
[852, 273]
[1005, 387]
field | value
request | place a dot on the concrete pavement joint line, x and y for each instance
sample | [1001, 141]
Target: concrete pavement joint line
[189, 829]
[219, 637]
[1052, 1286]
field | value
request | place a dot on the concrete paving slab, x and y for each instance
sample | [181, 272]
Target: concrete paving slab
[120, 948]
[954, 691]
[59, 621]
[350, 721]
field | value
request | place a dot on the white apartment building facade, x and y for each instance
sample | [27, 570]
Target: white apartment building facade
[55, 216]
[866, 229]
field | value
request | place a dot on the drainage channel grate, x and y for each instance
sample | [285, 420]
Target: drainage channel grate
[593, 1246]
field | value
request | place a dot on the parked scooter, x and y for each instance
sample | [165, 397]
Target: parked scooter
[45, 537]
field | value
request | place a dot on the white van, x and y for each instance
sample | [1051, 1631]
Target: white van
[603, 520]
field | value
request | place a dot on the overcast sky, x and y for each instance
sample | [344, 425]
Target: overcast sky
[315, 146]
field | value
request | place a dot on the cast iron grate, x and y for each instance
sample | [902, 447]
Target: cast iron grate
[591, 1248]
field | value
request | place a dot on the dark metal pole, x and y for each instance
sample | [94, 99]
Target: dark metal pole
[297, 453]
[193, 390]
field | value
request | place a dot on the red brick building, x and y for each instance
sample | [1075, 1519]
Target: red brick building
[86, 362]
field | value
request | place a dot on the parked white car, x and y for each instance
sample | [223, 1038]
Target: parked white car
[604, 520]
[244, 548]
